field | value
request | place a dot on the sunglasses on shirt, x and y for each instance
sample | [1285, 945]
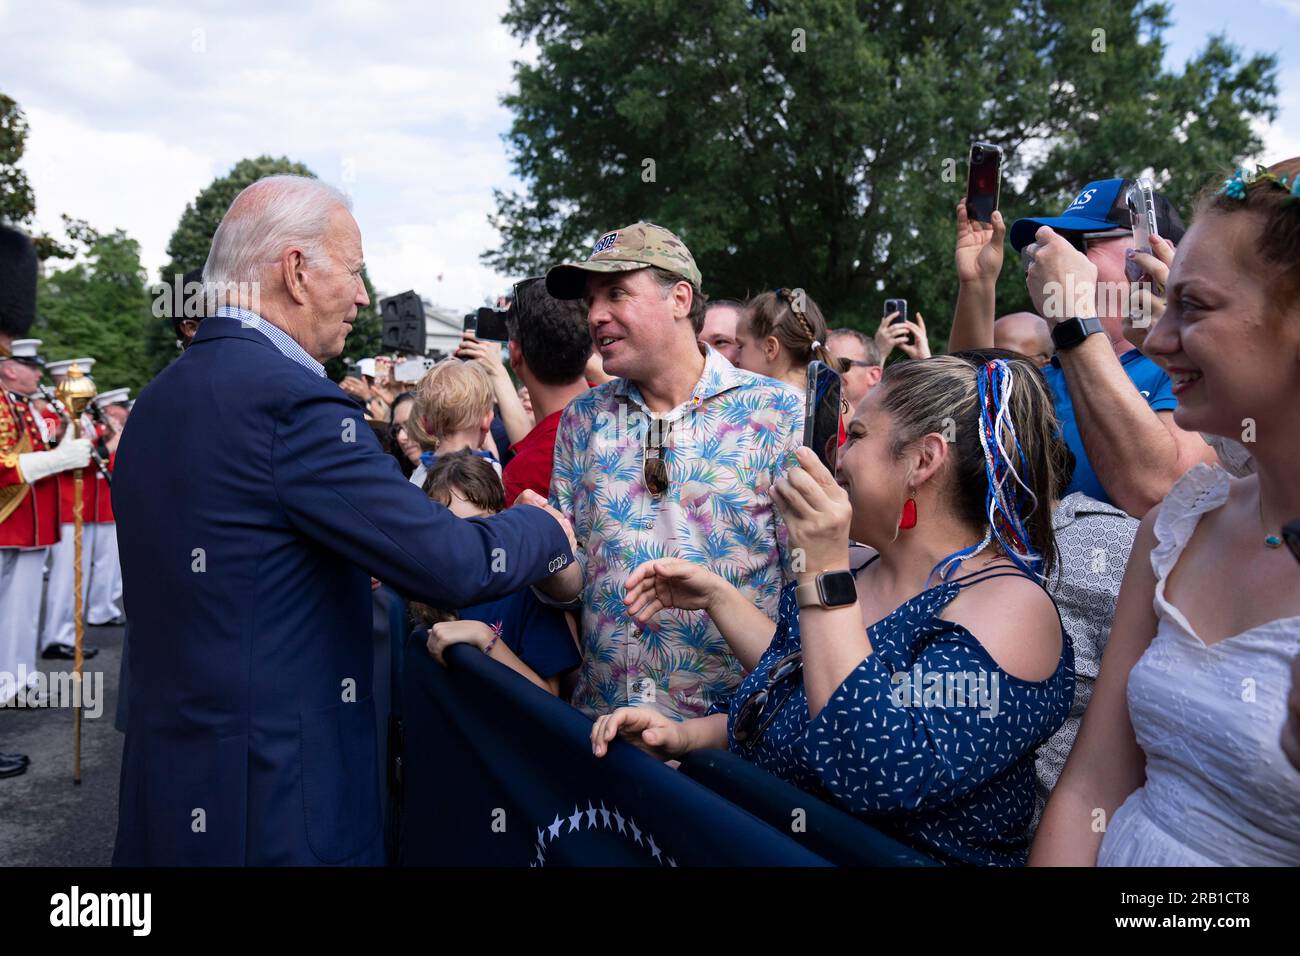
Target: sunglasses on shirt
[746, 728]
[655, 468]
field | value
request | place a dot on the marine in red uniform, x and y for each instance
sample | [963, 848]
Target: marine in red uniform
[29, 509]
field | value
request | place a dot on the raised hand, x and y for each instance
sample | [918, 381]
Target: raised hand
[816, 512]
[668, 583]
[1147, 295]
[1062, 281]
[980, 247]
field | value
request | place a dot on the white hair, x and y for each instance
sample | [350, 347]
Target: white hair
[266, 218]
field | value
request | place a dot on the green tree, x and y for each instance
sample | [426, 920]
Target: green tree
[99, 306]
[190, 243]
[822, 143]
[17, 201]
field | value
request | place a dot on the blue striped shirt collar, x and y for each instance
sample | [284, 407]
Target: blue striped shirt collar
[279, 338]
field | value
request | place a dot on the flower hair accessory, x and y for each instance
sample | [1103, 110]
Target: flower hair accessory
[1235, 188]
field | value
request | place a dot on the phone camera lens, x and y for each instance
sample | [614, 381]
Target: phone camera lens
[977, 155]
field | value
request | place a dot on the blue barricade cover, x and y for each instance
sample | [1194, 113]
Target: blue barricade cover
[824, 829]
[496, 772]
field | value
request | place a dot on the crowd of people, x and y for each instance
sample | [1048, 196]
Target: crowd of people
[1040, 611]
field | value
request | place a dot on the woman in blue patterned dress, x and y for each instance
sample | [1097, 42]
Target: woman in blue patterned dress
[915, 692]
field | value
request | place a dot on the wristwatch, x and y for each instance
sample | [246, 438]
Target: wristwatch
[828, 589]
[1070, 332]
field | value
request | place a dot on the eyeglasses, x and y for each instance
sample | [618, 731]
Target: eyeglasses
[859, 363]
[655, 469]
[743, 729]
[1083, 241]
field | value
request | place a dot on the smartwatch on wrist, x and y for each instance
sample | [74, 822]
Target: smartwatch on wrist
[828, 589]
[1070, 332]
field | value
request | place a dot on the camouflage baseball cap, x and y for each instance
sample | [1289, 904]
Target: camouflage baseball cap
[633, 247]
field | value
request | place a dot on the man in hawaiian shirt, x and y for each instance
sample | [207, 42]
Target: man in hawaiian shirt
[673, 458]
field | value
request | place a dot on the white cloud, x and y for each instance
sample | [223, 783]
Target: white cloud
[136, 181]
[1282, 138]
[134, 109]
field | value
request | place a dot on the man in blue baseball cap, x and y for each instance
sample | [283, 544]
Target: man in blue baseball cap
[1115, 405]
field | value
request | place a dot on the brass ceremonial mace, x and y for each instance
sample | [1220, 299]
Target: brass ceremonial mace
[75, 392]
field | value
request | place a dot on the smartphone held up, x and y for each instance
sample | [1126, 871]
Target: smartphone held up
[821, 415]
[983, 181]
[1141, 201]
[899, 306]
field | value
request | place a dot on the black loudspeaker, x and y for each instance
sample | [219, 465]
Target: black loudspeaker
[403, 321]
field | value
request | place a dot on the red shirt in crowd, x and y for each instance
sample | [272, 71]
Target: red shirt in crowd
[534, 456]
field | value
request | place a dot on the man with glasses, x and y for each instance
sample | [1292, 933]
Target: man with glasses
[1115, 405]
[864, 365]
[673, 458]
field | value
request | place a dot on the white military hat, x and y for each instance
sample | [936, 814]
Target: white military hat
[114, 396]
[25, 350]
[60, 368]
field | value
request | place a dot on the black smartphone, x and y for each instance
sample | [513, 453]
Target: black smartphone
[983, 181]
[1291, 535]
[899, 306]
[471, 323]
[492, 325]
[821, 413]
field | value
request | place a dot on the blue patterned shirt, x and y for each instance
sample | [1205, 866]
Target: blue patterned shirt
[725, 447]
[279, 338]
[928, 739]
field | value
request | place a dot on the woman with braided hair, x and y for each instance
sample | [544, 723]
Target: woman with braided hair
[1182, 757]
[914, 688]
[779, 334]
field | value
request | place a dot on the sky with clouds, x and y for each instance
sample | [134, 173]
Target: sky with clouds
[134, 108]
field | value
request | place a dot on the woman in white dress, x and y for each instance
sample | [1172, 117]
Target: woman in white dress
[1179, 760]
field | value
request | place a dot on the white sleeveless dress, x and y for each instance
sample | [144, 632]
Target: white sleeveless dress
[1219, 791]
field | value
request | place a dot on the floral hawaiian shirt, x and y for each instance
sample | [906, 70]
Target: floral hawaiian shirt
[723, 449]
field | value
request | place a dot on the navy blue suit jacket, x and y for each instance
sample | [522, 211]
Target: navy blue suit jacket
[253, 505]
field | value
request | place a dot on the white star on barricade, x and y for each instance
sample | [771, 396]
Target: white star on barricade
[625, 825]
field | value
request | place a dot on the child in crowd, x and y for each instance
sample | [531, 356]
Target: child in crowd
[517, 630]
[452, 412]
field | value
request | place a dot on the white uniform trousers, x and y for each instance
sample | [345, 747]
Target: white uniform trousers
[105, 603]
[59, 626]
[20, 610]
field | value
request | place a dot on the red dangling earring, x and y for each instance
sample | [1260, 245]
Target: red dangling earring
[909, 515]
